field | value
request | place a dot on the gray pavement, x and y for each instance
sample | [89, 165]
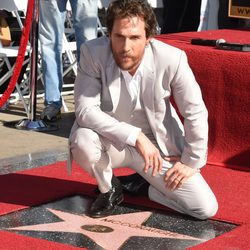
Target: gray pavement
[24, 149]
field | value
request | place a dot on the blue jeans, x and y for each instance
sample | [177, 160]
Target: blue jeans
[52, 18]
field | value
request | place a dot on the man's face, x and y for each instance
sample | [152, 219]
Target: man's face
[128, 41]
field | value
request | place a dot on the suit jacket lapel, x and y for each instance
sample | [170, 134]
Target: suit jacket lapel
[111, 90]
[148, 81]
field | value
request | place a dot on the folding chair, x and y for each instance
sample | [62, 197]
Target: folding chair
[9, 52]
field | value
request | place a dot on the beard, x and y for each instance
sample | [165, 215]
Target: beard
[126, 62]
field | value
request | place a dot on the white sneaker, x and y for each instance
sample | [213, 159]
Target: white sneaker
[51, 113]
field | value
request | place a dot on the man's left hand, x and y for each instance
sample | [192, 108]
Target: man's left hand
[178, 174]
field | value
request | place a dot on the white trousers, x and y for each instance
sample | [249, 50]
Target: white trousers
[97, 156]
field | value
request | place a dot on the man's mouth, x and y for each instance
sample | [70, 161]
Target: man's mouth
[125, 57]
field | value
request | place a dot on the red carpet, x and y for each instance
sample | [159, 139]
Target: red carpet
[47, 183]
[224, 80]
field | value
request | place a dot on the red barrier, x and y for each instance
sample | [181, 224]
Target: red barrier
[21, 53]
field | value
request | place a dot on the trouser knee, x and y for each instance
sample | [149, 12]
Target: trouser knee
[207, 211]
[86, 147]
[89, 150]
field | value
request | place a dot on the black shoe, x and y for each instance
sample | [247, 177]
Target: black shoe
[134, 185]
[105, 203]
[51, 114]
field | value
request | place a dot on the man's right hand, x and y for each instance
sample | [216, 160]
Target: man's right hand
[150, 154]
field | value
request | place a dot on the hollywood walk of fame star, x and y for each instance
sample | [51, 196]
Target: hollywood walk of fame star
[110, 232]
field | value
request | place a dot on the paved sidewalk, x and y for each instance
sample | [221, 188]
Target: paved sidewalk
[23, 149]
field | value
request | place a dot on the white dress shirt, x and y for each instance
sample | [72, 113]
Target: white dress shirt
[133, 84]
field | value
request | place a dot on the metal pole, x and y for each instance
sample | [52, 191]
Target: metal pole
[34, 55]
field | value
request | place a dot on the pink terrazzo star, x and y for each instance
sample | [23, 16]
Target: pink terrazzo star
[110, 232]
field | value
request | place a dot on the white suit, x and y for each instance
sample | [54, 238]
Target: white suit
[98, 138]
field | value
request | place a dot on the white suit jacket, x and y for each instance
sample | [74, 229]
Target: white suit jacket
[166, 72]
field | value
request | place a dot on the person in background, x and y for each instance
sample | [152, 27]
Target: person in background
[180, 16]
[52, 19]
[124, 117]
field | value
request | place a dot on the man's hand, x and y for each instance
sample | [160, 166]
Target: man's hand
[150, 154]
[178, 174]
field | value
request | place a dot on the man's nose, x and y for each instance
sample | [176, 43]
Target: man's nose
[126, 45]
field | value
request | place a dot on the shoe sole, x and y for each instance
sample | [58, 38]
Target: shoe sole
[53, 119]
